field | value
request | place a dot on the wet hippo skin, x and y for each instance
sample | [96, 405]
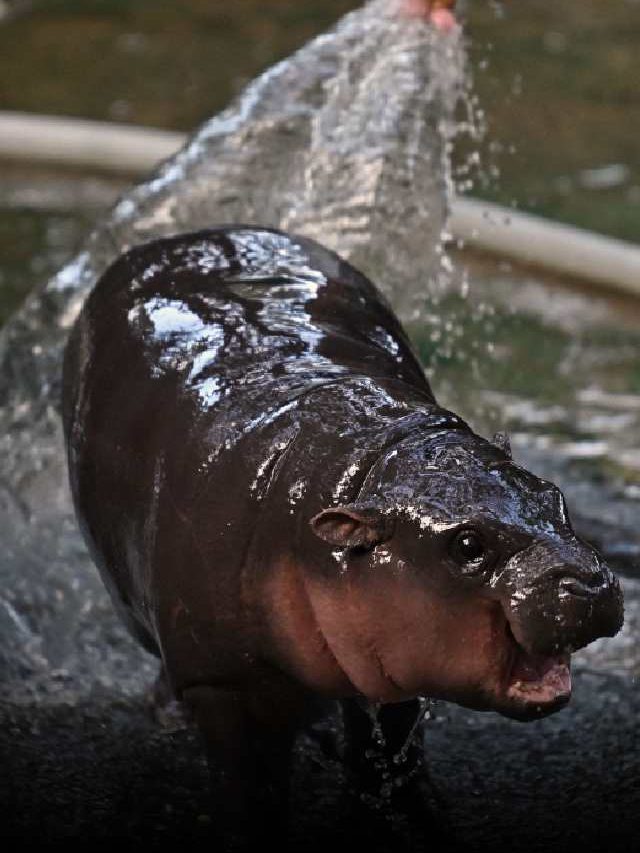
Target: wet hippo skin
[281, 510]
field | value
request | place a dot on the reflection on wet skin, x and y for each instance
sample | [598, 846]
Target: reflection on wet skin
[267, 298]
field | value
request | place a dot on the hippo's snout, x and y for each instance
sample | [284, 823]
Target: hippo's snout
[561, 597]
[588, 608]
[557, 596]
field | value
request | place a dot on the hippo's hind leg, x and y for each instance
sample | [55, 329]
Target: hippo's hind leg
[384, 757]
[165, 708]
[248, 738]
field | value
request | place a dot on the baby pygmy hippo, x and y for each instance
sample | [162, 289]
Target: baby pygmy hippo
[281, 510]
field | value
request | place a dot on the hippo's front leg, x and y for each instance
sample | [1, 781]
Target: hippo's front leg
[385, 761]
[248, 744]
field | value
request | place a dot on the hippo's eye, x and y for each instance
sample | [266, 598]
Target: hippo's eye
[468, 550]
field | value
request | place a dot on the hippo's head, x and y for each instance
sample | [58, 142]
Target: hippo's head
[458, 576]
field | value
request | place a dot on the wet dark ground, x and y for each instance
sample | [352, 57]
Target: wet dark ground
[106, 770]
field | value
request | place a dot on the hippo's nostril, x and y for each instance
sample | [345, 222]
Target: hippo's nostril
[580, 587]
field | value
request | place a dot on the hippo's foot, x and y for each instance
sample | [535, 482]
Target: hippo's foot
[391, 792]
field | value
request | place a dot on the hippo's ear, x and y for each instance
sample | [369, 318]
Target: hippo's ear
[352, 526]
[502, 442]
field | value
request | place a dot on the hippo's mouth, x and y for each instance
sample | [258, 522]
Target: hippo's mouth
[536, 685]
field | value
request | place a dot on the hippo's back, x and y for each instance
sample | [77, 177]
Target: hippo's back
[190, 347]
[234, 321]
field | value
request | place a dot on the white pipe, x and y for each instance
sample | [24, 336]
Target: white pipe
[543, 243]
[128, 149]
[88, 144]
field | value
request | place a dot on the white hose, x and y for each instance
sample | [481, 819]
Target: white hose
[543, 243]
[99, 145]
[530, 239]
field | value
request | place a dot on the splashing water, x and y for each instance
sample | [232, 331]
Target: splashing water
[425, 713]
[377, 734]
[348, 141]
